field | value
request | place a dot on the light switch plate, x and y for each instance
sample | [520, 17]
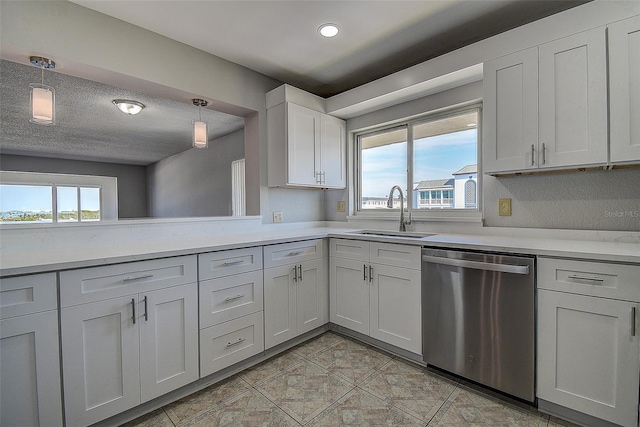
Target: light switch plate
[277, 216]
[342, 206]
[504, 207]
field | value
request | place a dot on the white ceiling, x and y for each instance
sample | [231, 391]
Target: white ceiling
[280, 38]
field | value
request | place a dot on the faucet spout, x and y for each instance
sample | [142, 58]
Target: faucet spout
[403, 226]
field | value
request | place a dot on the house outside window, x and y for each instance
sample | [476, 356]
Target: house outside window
[428, 157]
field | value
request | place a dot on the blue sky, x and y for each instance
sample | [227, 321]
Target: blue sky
[38, 198]
[434, 158]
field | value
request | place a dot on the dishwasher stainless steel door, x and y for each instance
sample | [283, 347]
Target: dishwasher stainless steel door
[478, 314]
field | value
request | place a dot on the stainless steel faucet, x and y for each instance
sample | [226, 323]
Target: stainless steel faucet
[403, 225]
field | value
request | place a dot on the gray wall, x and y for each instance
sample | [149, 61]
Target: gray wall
[196, 182]
[132, 180]
[590, 200]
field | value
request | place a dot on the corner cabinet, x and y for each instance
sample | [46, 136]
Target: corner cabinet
[129, 334]
[29, 362]
[375, 290]
[295, 290]
[546, 107]
[588, 343]
[624, 90]
[306, 148]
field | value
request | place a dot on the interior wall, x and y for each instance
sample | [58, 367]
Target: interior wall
[132, 180]
[196, 182]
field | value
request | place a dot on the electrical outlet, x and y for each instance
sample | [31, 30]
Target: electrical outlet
[342, 206]
[504, 207]
[277, 216]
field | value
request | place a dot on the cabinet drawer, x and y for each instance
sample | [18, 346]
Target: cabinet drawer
[111, 281]
[230, 342]
[230, 297]
[350, 249]
[27, 294]
[617, 281]
[396, 255]
[226, 263]
[291, 253]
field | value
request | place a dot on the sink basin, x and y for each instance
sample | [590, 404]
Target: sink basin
[405, 234]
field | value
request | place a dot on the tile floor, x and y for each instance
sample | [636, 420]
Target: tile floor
[335, 381]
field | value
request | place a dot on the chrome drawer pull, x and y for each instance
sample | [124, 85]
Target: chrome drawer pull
[228, 263]
[591, 279]
[146, 310]
[633, 321]
[227, 299]
[231, 344]
[129, 279]
[133, 308]
[294, 253]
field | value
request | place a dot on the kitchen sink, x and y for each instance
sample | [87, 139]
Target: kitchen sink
[405, 234]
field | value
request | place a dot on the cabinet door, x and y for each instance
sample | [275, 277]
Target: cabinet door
[624, 87]
[168, 321]
[30, 371]
[333, 151]
[279, 305]
[349, 294]
[312, 294]
[395, 307]
[572, 122]
[100, 359]
[588, 355]
[303, 133]
[510, 123]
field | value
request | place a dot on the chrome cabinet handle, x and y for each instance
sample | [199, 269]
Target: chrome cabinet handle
[229, 263]
[364, 269]
[233, 298]
[295, 273]
[294, 253]
[133, 308]
[533, 153]
[300, 267]
[544, 157]
[370, 273]
[231, 344]
[146, 312]
[128, 279]
[591, 279]
[633, 321]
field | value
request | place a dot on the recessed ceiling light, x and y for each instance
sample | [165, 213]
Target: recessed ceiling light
[328, 30]
[128, 107]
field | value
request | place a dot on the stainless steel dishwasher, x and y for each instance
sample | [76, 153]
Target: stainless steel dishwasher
[478, 314]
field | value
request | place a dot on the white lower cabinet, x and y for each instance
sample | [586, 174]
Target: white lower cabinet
[120, 352]
[296, 294]
[588, 346]
[375, 290]
[29, 352]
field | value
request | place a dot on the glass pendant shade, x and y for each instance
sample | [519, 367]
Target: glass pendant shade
[200, 134]
[43, 111]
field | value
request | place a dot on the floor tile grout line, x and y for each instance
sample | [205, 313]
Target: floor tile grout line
[168, 417]
[333, 404]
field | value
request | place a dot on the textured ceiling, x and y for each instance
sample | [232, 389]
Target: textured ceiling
[280, 38]
[88, 125]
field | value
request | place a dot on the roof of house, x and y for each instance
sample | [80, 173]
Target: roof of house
[435, 183]
[467, 169]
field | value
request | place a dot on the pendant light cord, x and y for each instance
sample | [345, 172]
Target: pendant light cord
[42, 73]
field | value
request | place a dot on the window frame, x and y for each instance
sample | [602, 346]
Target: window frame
[461, 215]
[108, 192]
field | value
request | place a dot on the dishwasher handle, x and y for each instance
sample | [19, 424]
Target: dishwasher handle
[478, 265]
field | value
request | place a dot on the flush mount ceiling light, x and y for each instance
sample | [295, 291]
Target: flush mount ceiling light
[328, 30]
[128, 107]
[200, 127]
[43, 97]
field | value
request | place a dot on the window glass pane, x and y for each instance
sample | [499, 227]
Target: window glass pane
[25, 203]
[384, 164]
[90, 204]
[67, 204]
[444, 159]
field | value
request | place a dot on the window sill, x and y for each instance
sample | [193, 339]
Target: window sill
[475, 217]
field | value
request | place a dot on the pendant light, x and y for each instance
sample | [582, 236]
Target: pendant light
[43, 97]
[199, 126]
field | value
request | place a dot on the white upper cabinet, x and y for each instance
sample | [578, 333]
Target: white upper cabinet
[624, 90]
[572, 121]
[546, 107]
[306, 148]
